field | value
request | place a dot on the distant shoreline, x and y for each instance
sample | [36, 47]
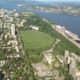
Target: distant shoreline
[71, 22]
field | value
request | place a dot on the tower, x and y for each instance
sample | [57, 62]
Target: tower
[13, 31]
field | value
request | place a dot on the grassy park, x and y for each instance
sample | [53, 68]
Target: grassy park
[35, 42]
[36, 39]
[46, 28]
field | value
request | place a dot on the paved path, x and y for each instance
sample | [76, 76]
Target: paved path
[74, 42]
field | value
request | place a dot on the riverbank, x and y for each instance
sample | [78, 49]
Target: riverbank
[71, 23]
[68, 34]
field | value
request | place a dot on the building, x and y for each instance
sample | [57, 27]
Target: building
[2, 63]
[14, 44]
[71, 35]
[73, 68]
[22, 22]
[78, 76]
[13, 31]
[60, 29]
[34, 27]
[67, 57]
[48, 57]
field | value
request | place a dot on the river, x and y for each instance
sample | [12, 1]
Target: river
[71, 22]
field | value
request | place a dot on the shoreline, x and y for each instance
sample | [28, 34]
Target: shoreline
[74, 38]
[53, 18]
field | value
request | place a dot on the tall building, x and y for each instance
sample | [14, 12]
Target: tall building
[73, 69]
[13, 31]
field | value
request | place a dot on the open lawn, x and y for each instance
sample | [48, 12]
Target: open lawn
[46, 28]
[35, 42]
[35, 39]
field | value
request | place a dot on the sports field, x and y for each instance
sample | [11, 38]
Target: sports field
[35, 39]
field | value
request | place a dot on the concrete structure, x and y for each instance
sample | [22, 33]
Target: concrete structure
[34, 27]
[13, 56]
[42, 70]
[67, 34]
[14, 44]
[22, 22]
[67, 57]
[71, 35]
[10, 19]
[2, 12]
[16, 14]
[48, 57]
[78, 75]
[73, 68]
[71, 60]
[1, 37]
[60, 28]
[1, 23]
[2, 63]
[13, 31]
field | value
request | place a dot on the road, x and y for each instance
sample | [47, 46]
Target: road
[62, 33]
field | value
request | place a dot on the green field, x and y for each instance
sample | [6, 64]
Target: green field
[45, 27]
[35, 39]
[35, 42]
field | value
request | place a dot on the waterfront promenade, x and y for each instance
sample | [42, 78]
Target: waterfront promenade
[62, 31]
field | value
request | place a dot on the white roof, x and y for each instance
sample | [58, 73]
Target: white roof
[58, 26]
[67, 31]
[78, 74]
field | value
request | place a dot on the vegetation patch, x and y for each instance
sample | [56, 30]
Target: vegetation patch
[36, 39]
[35, 42]
[46, 28]
[2, 55]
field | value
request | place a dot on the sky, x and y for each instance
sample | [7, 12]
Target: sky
[47, 0]
[58, 0]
